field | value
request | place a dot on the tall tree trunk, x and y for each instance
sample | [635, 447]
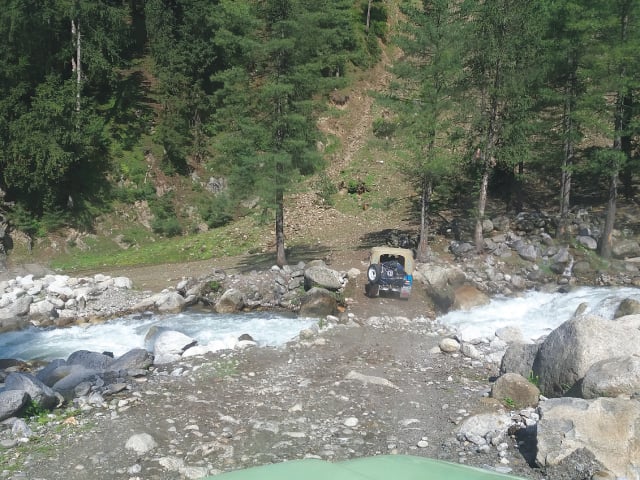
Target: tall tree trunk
[482, 204]
[281, 258]
[422, 252]
[487, 162]
[607, 240]
[76, 61]
[568, 153]
[621, 119]
[518, 197]
[368, 15]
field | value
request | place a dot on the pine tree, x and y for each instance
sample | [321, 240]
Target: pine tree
[502, 43]
[621, 70]
[266, 109]
[428, 75]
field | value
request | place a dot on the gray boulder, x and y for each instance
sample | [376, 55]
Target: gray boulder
[42, 309]
[628, 306]
[12, 402]
[90, 360]
[519, 358]
[579, 464]
[231, 301]
[18, 308]
[527, 251]
[38, 392]
[70, 377]
[605, 427]
[50, 374]
[166, 302]
[588, 242]
[560, 260]
[322, 277]
[510, 334]
[318, 303]
[516, 390]
[626, 248]
[467, 297]
[136, 359]
[612, 377]
[570, 350]
[440, 283]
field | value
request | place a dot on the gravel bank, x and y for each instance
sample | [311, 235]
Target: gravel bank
[347, 392]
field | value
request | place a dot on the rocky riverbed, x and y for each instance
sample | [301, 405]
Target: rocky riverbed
[376, 385]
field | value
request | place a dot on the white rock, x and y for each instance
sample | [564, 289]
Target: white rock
[141, 443]
[350, 422]
[449, 345]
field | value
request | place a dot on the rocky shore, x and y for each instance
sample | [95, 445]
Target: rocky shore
[348, 390]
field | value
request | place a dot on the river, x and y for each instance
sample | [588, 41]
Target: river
[535, 313]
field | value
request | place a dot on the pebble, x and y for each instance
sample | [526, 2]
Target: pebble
[350, 422]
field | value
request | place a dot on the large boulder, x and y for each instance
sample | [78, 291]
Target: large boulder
[516, 390]
[526, 251]
[323, 277]
[318, 303]
[90, 360]
[440, 283]
[606, 427]
[10, 314]
[135, 359]
[231, 301]
[70, 377]
[626, 248]
[38, 392]
[169, 346]
[166, 302]
[612, 377]
[519, 359]
[628, 306]
[570, 350]
[12, 402]
[484, 428]
[467, 297]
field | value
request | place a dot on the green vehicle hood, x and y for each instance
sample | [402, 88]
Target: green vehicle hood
[383, 467]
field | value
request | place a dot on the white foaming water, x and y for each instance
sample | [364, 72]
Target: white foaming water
[536, 313]
[121, 335]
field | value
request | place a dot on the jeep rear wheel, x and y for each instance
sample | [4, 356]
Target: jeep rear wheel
[372, 290]
[373, 273]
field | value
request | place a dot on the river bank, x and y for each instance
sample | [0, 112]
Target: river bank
[369, 388]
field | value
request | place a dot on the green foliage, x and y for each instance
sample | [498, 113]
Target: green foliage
[220, 369]
[214, 286]
[165, 221]
[237, 86]
[356, 186]
[384, 128]
[217, 211]
[326, 189]
[34, 409]
[534, 379]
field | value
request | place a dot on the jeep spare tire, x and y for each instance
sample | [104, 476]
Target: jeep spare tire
[373, 273]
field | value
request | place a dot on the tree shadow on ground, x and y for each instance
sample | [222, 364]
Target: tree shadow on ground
[307, 253]
[389, 237]
[296, 254]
